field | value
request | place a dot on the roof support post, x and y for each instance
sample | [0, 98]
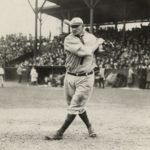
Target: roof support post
[124, 32]
[36, 27]
[36, 12]
[124, 24]
[116, 26]
[91, 4]
[68, 17]
[62, 18]
[91, 18]
[40, 19]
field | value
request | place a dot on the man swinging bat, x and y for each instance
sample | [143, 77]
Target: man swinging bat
[79, 47]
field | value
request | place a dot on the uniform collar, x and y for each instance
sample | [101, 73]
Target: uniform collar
[81, 35]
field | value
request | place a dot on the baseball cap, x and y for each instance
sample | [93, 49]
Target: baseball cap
[76, 21]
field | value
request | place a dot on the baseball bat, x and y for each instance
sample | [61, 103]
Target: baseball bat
[66, 21]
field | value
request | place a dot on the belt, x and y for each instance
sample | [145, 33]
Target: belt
[80, 74]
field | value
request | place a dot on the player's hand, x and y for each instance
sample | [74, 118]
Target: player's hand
[108, 44]
[106, 47]
[100, 41]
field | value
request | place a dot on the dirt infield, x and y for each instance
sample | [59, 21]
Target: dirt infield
[121, 118]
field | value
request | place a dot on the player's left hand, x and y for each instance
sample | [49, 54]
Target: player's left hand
[106, 47]
[108, 44]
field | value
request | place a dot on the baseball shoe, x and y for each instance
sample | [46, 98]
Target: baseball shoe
[91, 132]
[56, 136]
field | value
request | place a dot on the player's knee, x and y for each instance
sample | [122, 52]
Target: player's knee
[81, 97]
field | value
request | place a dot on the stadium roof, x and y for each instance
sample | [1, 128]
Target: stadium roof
[105, 11]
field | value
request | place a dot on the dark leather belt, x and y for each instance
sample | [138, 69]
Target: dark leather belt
[80, 74]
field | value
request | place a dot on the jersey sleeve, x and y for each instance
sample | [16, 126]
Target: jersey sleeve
[71, 45]
[76, 47]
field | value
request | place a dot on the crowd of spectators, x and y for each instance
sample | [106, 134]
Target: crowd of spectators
[49, 53]
[15, 45]
[52, 53]
[131, 48]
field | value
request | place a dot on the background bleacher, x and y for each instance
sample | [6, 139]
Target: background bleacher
[132, 50]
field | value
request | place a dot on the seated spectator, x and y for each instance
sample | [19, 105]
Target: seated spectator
[120, 81]
[111, 78]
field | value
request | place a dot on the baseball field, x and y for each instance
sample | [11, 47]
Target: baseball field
[121, 118]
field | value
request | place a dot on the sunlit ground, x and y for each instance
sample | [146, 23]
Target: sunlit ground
[121, 118]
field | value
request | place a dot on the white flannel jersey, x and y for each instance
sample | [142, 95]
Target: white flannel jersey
[73, 62]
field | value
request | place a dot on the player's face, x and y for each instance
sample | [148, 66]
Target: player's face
[77, 29]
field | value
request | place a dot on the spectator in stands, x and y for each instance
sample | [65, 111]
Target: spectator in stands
[133, 50]
[120, 81]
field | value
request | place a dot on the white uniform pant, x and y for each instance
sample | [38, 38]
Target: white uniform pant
[78, 90]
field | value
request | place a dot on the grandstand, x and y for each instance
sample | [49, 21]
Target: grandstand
[131, 47]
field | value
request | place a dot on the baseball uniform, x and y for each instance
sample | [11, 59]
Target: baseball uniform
[78, 84]
[79, 77]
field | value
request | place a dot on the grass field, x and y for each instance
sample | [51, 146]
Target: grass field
[121, 118]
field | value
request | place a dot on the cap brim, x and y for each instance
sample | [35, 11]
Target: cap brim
[76, 24]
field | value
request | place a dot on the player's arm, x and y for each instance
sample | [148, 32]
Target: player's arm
[74, 48]
[80, 49]
[91, 49]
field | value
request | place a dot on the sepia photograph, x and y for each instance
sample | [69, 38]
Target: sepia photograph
[75, 75]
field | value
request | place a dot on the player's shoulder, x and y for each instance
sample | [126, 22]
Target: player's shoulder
[90, 35]
[69, 36]
[89, 38]
[70, 39]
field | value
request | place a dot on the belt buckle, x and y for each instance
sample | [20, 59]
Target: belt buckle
[77, 74]
[86, 73]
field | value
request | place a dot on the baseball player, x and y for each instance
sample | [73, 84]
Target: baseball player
[79, 79]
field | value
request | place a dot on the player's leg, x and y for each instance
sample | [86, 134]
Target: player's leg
[69, 92]
[88, 124]
[83, 92]
[59, 134]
